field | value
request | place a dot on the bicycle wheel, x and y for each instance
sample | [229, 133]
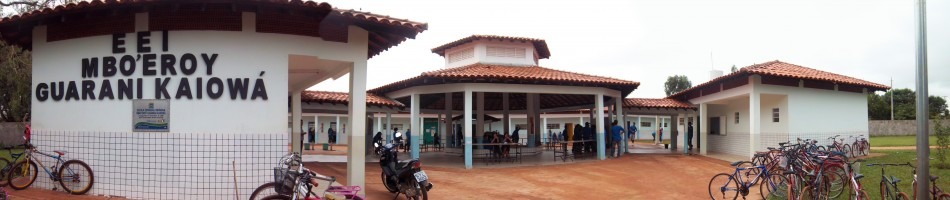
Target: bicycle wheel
[943, 196]
[4, 168]
[902, 196]
[837, 179]
[723, 186]
[807, 193]
[277, 197]
[22, 175]
[76, 177]
[774, 187]
[863, 195]
[848, 151]
[750, 171]
[820, 149]
[265, 190]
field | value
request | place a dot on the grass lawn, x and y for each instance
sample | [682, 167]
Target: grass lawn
[872, 175]
[892, 141]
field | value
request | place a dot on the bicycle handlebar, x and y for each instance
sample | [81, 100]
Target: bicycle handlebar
[890, 164]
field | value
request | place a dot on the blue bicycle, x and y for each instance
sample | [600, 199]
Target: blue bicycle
[75, 176]
[730, 186]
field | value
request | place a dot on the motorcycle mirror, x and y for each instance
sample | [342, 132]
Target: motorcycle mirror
[376, 144]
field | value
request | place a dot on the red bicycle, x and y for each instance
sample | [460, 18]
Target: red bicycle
[861, 145]
[840, 146]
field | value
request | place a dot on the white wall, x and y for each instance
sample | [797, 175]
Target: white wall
[481, 47]
[203, 132]
[61, 61]
[736, 140]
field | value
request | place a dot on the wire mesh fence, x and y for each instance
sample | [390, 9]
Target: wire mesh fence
[167, 165]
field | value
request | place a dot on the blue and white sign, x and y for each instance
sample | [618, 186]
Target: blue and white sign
[150, 115]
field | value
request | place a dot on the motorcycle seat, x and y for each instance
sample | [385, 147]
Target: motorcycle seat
[402, 164]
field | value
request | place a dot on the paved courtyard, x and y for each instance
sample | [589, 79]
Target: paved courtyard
[630, 177]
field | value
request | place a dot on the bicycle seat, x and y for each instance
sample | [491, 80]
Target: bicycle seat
[759, 154]
[735, 163]
[858, 176]
[934, 178]
[895, 180]
[771, 148]
[60, 152]
[787, 172]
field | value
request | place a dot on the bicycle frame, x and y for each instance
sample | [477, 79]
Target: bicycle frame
[744, 186]
[28, 156]
[890, 189]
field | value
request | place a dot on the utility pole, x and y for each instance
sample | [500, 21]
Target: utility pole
[892, 98]
[923, 115]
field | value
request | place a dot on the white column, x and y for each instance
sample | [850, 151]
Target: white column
[389, 127]
[703, 128]
[356, 153]
[506, 117]
[621, 121]
[295, 122]
[379, 124]
[544, 127]
[599, 106]
[480, 116]
[467, 120]
[755, 120]
[639, 129]
[656, 128]
[416, 129]
[337, 129]
[316, 128]
[449, 138]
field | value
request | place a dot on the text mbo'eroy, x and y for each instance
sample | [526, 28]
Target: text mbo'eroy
[160, 66]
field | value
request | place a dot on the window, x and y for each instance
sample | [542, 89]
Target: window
[666, 124]
[645, 124]
[506, 52]
[774, 114]
[737, 117]
[714, 126]
[554, 126]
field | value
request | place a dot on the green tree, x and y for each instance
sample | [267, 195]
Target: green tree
[734, 69]
[879, 107]
[942, 132]
[676, 83]
[905, 105]
[15, 82]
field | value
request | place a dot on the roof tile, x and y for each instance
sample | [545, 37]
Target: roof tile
[655, 103]
[783, 69]
[344, 98]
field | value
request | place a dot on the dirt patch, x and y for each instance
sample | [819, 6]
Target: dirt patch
[631, 177]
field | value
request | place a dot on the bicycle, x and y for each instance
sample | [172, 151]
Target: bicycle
[23, 173]
[889, 188]
[840, 146]
[294, 181]
[773, 185]
[857, 191]
[861, 145]
[935, 192]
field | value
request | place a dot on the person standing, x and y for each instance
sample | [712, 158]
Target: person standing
[632, 132]
[408, 139]
[659, 135]
[331, 136]
[689, 135]
[588, 132]
[515, 137]
[616, 131]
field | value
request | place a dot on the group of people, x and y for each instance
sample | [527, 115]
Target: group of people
[493, 137]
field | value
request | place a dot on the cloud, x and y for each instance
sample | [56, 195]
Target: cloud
[649, 40]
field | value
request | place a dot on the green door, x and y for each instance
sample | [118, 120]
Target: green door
[430, 126]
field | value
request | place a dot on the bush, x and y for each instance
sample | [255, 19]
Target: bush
[942, 152]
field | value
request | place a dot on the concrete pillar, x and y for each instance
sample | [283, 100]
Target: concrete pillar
[621, 119]
[480, 116]
[389, 127]
[416, 130]
[639, 129]
[448, 120]
[379, 124]
[295, 122]
[755, 121]
[356, 154]
[673, 131]
[599, 129]
[544, 127]
[337, 129]
[467, 129]
[703, 128]
[506, 118]
[316, 128]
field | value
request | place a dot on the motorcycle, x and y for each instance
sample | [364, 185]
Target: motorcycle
[402, 177]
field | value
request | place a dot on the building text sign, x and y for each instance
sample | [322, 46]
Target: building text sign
[131, 68]
[150, 115]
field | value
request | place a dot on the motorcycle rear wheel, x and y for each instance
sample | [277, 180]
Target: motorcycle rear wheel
[421, 192]
[392, 188]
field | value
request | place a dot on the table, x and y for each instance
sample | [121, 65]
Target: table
[564, 152]
[492, 157]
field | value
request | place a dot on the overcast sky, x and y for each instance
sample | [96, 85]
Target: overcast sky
[649, 40]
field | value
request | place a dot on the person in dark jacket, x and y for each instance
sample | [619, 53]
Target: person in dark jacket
[588, 132]
[578, 134]
[515, 137]
[331, 136]
[689, 135]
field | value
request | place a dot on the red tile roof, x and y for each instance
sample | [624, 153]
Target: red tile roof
[787, 70]
[385, 31]
[539, 45]
[344, 98]
[487, 73]
[656, 103]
